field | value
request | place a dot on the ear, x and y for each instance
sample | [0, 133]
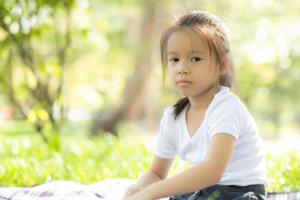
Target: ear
[224, 65]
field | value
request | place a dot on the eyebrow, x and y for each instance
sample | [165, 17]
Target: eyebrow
[193, 51]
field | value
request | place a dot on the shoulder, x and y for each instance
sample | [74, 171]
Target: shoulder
[167, 115]
[169, 110]
[168, 120]
[225, 114]
[226, 101]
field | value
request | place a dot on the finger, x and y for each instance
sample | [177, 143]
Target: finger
[128, 193]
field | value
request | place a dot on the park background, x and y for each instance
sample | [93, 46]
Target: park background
[81, 89]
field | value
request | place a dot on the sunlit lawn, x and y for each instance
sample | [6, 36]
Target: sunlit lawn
[26, 160]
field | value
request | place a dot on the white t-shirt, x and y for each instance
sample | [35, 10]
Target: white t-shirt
[225, 114]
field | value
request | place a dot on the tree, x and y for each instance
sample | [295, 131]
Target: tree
[35, 42]
[131, 106]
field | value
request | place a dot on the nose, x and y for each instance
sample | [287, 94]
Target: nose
[183, 68]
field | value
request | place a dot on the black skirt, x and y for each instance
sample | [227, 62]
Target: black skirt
[226, 192]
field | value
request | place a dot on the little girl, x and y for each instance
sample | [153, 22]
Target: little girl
[209, 127]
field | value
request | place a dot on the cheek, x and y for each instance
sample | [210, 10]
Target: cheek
[206, 74]
[170, 76]
[171, 72]
[211, 69]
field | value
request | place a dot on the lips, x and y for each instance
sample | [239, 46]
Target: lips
[184, 82]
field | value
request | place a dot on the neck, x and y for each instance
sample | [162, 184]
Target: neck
[202, 101]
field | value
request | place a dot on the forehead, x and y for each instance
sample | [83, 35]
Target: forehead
[185, 41]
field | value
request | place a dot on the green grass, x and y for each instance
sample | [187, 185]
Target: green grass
[25, 161]
[284, 171]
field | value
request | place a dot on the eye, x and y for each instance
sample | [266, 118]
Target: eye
[196, 59]
[173, 59]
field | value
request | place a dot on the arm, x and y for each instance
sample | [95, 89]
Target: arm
[208, 173]
[158, 171]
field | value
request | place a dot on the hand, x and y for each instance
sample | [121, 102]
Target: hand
[132, 190]
[142, 195]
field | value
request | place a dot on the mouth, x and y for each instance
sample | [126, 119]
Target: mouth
[183, 82]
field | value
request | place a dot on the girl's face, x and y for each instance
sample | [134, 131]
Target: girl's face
[191, 68]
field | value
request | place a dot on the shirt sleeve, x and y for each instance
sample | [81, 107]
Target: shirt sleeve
[164, 146]
[225, 119]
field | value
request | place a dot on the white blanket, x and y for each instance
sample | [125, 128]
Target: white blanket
[111, 189]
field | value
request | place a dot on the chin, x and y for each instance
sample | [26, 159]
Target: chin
[190, 94]
[185, 94]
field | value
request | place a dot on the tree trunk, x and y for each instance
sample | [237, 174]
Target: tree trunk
[132, 106]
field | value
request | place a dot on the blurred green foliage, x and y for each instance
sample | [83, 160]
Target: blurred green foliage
[26, 161]
[35, 38]
[103, 50]
[284, 171]
[265, 46]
